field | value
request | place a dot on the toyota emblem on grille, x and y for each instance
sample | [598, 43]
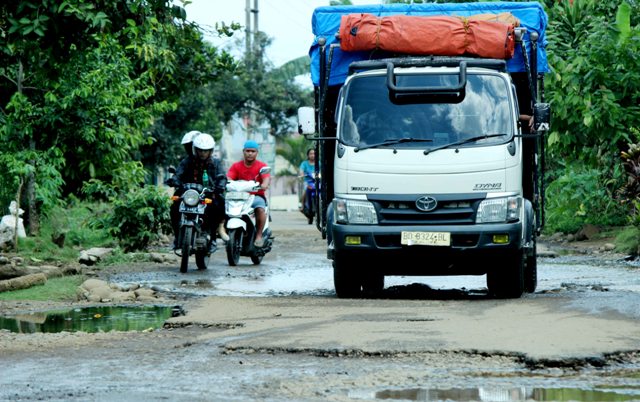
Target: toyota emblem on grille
[426, 203]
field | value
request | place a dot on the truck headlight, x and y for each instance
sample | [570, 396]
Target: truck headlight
[498, 210]
[354, 212]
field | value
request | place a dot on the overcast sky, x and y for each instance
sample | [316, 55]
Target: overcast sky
[287, 22]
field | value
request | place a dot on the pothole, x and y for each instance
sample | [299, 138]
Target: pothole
[92, 319]
[499, 394]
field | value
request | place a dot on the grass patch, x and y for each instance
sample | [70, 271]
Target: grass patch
[119, 257]
[628, 240]
[55, 289]
[74, 224]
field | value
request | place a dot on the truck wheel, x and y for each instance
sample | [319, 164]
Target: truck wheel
[186, 248]
[506, 279]
[346, 278]
[372, 284]
[531, 270]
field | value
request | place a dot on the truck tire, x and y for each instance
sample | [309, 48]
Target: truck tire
[372, 284]
[531, 270]
[506, 279]
[346, 278]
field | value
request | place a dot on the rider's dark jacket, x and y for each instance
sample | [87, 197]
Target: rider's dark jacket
[190, 171]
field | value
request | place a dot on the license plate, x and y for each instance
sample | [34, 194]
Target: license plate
[426, 238]
[191, 210]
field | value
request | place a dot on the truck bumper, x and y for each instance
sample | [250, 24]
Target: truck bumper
[473, 250]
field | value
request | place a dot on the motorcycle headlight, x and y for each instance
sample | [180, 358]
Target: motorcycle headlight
[191, 198]
[355, 212]
[498, 210]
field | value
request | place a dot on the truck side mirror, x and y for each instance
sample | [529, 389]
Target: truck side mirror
[306, 120]
[541, 116]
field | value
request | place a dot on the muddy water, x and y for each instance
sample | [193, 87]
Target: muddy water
[614, 285]
[91, 319]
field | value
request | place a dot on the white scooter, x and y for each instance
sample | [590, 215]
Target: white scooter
[241, 222]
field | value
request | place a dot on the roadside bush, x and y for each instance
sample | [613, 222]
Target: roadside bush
[581, 195]
[139, 213]
[138, 217]
[627, 241]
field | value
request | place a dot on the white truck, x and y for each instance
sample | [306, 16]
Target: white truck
[426, 163]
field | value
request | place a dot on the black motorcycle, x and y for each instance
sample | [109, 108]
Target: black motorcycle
[192, 238]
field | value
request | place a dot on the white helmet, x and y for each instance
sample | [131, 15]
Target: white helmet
[203, 141]
[188, 137]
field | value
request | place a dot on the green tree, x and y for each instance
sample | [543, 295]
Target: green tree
[595, 84]
[82, 82]
[293, 149]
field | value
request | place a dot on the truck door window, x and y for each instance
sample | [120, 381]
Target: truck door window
[371, 116]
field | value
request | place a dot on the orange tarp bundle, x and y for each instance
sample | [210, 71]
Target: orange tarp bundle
[483, 35]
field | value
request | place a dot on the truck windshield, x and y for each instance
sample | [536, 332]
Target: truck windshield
[371, 118]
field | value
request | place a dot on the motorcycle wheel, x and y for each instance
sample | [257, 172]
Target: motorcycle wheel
[202, 259]
[234, 246]
[255, 259]
[186, 248]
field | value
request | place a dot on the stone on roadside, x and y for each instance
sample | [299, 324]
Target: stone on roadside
[93, 255]
[588, 232]
[144, 292]
[93, 283]
[120, 297]
[157, 257]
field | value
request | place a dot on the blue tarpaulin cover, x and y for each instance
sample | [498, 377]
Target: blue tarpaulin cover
[326, 23]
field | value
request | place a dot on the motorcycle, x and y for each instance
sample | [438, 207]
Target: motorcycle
[241, 222]
[192, 238]
[310, 201]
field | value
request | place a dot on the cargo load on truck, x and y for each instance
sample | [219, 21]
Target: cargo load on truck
[326, 27]
[438, 35]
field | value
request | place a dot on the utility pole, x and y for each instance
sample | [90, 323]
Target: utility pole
[251, 32]
[251, 51]
[247, 28]
[256, 43]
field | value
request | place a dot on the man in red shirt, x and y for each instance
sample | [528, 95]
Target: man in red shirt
[249, 169]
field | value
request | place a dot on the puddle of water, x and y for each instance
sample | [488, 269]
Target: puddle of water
[91, 319]
[501, 394]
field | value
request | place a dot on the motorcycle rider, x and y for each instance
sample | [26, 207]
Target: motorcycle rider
[187, 141]
[307, 173]
[249, 169]
[191, 170]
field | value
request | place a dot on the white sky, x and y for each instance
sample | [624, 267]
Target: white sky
[287, 22]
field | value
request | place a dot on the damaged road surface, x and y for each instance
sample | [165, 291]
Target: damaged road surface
[276, 331]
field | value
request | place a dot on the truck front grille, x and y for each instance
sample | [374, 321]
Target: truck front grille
[460, 210]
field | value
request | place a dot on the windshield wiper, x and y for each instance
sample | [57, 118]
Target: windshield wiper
[392, 141]
[462, 142]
